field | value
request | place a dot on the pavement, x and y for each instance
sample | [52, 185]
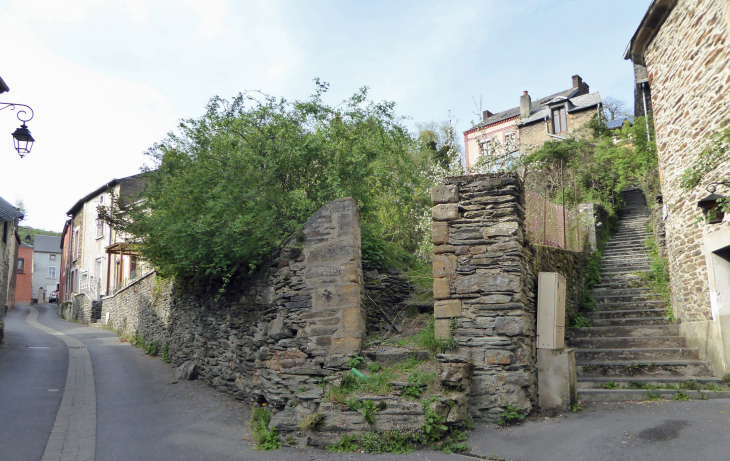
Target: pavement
[49, 366]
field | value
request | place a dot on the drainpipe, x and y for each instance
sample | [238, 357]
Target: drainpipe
[646, 116]
[547, 132]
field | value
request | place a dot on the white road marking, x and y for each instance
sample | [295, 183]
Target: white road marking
[73, 437]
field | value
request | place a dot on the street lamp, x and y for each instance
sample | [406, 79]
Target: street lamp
[22, 138]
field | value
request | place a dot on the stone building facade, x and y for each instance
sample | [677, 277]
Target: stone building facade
[9, 244]
[520, 127]
[685, 46]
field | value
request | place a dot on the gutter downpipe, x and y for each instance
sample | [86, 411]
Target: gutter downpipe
[548, 133]
[646, 114]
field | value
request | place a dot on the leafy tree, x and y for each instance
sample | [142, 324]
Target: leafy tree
[230, 186]
[613, 108]
[598, 166]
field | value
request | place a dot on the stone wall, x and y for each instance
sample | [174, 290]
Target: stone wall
[272, 335]
[5, 260]
[570, 264]
[484, 288]
[688, 63]
[83, 309]
[386, 297]
[485, 284]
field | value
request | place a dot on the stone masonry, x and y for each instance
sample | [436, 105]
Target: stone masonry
[273, 335]
[688, 63]
[483, 287]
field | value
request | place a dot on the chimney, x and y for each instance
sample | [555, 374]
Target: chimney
[486, 114]
[525, 105]
[580, 85]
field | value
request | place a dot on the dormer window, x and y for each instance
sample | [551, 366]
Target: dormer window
[560, 120]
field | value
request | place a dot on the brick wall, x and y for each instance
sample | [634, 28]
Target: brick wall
[689, 71]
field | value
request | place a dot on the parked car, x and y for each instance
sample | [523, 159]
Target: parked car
[54, 297]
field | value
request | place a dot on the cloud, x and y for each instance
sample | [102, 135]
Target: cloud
[138, 10]
[211, 14]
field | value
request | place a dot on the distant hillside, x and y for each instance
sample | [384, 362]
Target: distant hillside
[24, 231]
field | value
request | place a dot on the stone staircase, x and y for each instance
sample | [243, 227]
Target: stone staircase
[631, 346]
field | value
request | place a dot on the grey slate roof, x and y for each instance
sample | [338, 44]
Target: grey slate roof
[8, 212]
[535, 105]
[618, 122]
[47, 244]
[578, 103]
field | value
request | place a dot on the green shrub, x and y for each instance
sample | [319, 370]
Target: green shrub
[579, 321]
[682, 396]
[510, 416]
[374, 367]
[356, 361]
[267, 439]
[165, 356]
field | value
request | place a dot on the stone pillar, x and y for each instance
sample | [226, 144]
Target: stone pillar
[334, 275]
[483, 287]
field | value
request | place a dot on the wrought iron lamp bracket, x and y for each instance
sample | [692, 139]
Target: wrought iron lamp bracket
[22, 113]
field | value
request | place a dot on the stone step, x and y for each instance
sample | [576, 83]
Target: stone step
[624, 235]
[622, 298]
[645, 342]
[624, 395]
[637, 253]
[630, 321]
[627, 257]
[625, 266]
[631, 306]
[392, 355]
[643, 383]
[643, 368]
[609, 283]
[662, 353]
[617, 314]
[620, 291]
[626, 332]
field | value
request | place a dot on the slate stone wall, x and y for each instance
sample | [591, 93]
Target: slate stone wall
[688, 64]
[483, 287]
[271, 335]
[485, 284]
[570, 264]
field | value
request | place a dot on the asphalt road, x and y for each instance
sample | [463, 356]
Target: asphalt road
[140, 415]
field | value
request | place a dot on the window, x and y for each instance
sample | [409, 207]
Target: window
[101, 200]
[99, 228]
[21, 266]
[51, 272]
[53, 257]
[509, 141]
[485, 146]
[77, 243]
[560, 120]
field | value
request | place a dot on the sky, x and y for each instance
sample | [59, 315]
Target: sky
[108, 78]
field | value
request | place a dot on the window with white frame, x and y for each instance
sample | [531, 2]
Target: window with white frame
[51, 272]
[53, 257]
[509, 141]
[99, 228]
[486, 146]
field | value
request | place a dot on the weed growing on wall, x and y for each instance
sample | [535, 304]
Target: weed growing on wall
[266, 439]
[658, 275]
[511, 415]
